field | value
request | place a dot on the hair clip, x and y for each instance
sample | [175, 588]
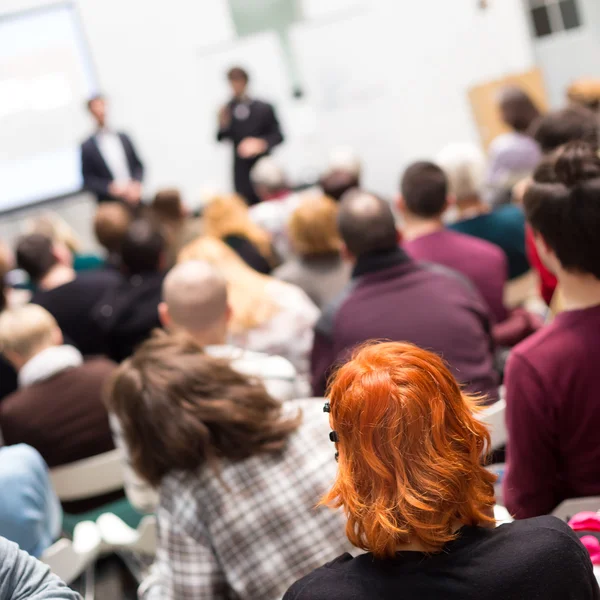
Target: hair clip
[333, 436]
[327, 407]
[337, 457]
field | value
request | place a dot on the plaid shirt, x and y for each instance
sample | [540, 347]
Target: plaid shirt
[251, 533]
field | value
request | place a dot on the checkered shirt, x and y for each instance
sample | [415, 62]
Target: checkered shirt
[250, 534]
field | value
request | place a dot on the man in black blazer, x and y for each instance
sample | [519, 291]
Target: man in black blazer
[253, 128]
[110, 165]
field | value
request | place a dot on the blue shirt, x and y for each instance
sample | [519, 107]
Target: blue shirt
[505, 227]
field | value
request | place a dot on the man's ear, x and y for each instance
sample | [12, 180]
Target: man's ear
[163, 315]
[450, 201]
[57, 337]
[546, 254]
[228, 314]
[399, 236]
[400, 204]
[62, 254]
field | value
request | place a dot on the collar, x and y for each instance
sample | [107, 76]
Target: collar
[378, 261]
[49, 362]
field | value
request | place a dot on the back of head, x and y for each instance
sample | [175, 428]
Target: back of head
[26, 330]
[585, 92]
[181, 409]
[167, 206]
[366, 223]
[345, 160]
[267, 174]
[517, 108]
[35, 255]
[567, 125]
[409, 448]
[238, 73]
[336, 183]
[142, 249]
[196, 296]
[57, 229]
[111, 224]
[563, 206]
[424, 190]
[5, 266]
[464, 165]
[313, 227]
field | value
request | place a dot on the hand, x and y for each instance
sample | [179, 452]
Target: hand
[224, 117]
[251, 147]
[133, 193]
[117, 189]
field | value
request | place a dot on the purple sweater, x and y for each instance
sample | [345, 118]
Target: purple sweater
[392, 297]
[483, 263]
[553, 415]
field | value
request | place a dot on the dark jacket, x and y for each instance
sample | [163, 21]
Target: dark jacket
[8, 379]
[95, 172]
[260, 122]
[127, 313]
[72, 304]
[63, 418]
[392, 297]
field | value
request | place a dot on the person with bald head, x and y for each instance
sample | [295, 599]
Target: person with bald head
[393, 297]
[195, 305]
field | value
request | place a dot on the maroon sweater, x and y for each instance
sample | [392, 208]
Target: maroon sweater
[553, 415]
[392, 297]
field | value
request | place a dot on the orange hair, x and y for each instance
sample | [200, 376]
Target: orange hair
[410, 449]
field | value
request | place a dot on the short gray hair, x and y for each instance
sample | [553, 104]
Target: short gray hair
[268, 173]
[464, 165]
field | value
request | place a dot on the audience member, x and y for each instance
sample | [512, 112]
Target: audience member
[269, 180]
[503, 226]
[8, 376]
[419, 501]
[67, 296]
[30, 513]
[267, 315]
[110, 166]
[226, 218]
[552, 378]
[111, 223]
[585, 92]
[23, 577]
[59, 231]
[239, 475]
[393, 297]
[337, 183]
[58, 408]
[318, 267]
[514, 155]
[424, 200]
[179, 228]
[127, 313]
[556, 129]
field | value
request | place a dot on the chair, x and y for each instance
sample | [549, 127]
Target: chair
[569, 508]
[494, 416]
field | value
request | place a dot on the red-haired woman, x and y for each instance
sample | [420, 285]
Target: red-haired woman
[419, 502]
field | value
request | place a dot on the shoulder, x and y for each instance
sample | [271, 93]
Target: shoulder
[87, 142]
[20, 460]
[535, 347]
[326, 323]
[325, 583]
[289, 295]
[100, 366]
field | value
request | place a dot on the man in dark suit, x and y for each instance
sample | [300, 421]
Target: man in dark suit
[253, 128]
[110, 165]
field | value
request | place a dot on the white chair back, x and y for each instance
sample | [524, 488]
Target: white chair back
[569, 508]
[494, 416]
[89, 477]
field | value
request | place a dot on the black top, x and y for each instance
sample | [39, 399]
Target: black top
[249, 253]
[71, 305]
[526, 560]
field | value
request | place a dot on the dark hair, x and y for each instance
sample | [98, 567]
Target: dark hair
[167, 205]
[3, 271]
[35, 255]
[366, 223]
[94, 98]
[424, 188]
[181, 409]
[238, 73]
[567, 125]
[142, 248]
[518, 109]
[337, 183]
[564, 208]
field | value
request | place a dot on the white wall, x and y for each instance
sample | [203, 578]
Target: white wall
[388, 77]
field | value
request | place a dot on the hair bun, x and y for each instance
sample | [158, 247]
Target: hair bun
[576, 162]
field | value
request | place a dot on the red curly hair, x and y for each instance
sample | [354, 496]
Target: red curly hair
[410, 449]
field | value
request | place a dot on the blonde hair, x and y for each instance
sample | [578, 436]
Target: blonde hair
[111, 223]
[464, 165]
[228, 215]
[25, 330]
[251, 303]
[57, 229]
[313, 227]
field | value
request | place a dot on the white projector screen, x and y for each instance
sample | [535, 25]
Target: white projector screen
[45, 77]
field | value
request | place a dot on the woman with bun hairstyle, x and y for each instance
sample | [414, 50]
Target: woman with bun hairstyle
[552, 378]
[419, 501]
